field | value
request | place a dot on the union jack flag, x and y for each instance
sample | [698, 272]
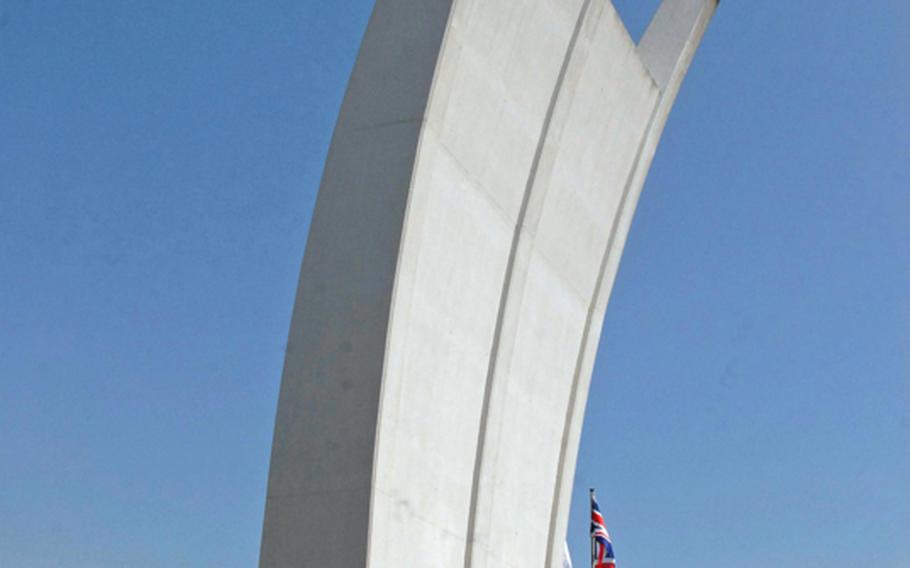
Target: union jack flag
[601, 544]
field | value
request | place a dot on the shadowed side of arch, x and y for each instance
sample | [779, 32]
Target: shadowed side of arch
[319, 485]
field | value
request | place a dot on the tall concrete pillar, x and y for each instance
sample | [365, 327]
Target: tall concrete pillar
[477, 195]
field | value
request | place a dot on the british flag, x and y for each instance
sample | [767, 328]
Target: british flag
[601, 544]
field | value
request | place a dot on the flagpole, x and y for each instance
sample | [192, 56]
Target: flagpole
[590, 513]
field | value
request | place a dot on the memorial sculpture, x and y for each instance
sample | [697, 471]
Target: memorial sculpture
[480, 184]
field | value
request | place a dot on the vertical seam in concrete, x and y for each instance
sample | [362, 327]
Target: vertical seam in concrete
[576, 376]
[394, 292]
[506, 285]
[656, 122]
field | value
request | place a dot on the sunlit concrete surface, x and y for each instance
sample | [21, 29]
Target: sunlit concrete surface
[479, 188]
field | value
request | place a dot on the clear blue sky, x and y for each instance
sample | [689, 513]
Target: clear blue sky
[158, 168]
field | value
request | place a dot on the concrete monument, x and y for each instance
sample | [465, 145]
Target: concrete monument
[481, 181]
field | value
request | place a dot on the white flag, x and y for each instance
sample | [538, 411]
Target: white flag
[566, 558]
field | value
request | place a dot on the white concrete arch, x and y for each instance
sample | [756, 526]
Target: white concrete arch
[478, 192]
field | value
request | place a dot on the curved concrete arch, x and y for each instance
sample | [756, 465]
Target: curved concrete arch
[477, 195]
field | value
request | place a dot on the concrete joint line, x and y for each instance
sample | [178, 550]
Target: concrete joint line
[507, 284]
[589, 320]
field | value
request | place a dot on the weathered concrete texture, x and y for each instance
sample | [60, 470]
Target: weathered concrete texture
[475, 203]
